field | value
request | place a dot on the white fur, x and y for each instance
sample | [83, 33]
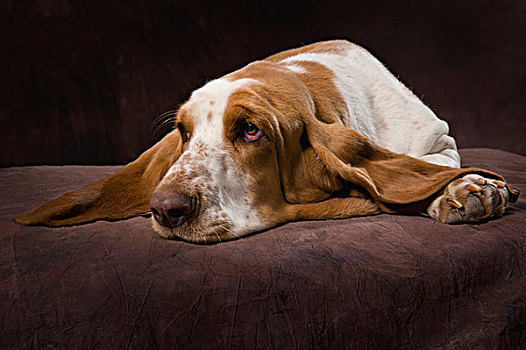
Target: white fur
[383, 109]
[295, 68]
[213, 172]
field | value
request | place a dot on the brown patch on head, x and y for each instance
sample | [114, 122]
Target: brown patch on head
[297, 94]
[284, 166]
[184, 116]
[331, 46]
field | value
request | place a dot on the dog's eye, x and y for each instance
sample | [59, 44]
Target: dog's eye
[251, 133]
[185, 134]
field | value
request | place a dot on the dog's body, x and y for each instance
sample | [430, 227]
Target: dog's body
[323, 131]
[377, 105]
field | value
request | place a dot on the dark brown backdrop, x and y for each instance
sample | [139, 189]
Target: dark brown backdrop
[83, 81]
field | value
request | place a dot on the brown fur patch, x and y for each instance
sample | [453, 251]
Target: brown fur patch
[331, 46]
[278, 104]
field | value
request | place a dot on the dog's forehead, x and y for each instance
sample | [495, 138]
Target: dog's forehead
[207, 104]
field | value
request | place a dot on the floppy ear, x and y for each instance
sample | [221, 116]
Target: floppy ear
[397, 183]
[304, 178]
[119, 196]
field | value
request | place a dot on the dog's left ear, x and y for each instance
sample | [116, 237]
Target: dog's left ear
[397, 183]
[119, 196]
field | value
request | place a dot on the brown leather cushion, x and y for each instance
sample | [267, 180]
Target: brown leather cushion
[382, 281]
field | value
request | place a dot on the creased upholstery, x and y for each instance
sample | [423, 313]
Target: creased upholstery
[381, 281]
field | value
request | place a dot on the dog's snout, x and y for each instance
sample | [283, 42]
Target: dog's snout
[171, 209]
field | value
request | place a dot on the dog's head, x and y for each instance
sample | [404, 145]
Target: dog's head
[256, 148]
[245, 157]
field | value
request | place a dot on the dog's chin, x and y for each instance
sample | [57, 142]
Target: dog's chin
[200, 234]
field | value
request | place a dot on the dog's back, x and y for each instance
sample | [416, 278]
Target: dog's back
[378, 105]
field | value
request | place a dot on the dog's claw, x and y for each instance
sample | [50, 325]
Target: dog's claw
[514, 193]
[454, 203]
[500, 184]
[473, 188]
[481, 181]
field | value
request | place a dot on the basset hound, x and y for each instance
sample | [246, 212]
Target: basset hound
[320, 132]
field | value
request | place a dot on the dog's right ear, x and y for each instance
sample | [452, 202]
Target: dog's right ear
[396, 182]
[119, 196]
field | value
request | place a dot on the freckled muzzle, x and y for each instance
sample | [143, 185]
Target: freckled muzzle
[189, 202]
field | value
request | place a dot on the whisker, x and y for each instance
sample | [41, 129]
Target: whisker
[163, 115]
[161, 121]
[169, 120]
[230, 231]
[171, 114]
[219, 238]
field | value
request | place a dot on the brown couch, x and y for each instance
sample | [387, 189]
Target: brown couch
[372, 282]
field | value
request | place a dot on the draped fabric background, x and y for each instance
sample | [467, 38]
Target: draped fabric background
[83, 81]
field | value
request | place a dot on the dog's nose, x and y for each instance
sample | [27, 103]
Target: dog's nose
[171, 209]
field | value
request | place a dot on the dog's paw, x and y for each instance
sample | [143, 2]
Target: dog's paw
[472, 198]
